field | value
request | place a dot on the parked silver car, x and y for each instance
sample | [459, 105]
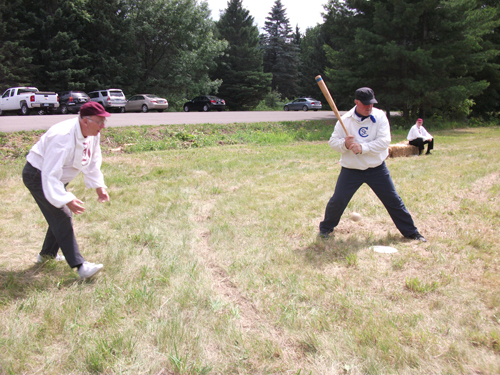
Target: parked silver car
[145, 103]
[304, 104]
[110, 99]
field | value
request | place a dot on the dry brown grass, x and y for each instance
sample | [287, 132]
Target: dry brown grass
[212, 266]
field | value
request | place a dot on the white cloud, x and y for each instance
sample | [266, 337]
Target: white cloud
[303, 13]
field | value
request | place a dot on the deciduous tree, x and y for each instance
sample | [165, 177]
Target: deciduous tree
[174, 47]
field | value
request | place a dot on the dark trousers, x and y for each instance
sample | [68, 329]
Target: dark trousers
[60, 233]
[419, 142]
[380, 181]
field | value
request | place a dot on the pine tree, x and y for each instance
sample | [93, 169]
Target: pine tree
[244, 82]
[487, 104]
[312, 62]
[15, 58]
[418, 56]
[108, 39]
[281, 54]
[58, 59]
[297, 36]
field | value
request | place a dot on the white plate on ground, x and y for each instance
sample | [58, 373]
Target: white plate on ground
[384, 249]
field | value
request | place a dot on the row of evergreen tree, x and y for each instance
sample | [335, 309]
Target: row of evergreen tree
[421, 57]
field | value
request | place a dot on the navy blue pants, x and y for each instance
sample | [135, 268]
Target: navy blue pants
[380, 181]
[60, 233]
[420, 143]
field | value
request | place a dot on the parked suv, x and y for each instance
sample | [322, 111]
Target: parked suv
[71, 101]
[110, 99]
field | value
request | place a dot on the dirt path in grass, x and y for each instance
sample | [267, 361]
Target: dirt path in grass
[252, 321]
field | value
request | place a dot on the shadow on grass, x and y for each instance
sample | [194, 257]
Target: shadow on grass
[332, 250]
[39, 277]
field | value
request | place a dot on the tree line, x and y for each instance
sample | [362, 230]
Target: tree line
[422, 57]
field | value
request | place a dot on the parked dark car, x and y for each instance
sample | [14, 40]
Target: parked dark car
[145, 103]
[71, 101]
[303, 104]
[205, 103]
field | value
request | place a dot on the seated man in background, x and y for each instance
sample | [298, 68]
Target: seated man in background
[418, 137]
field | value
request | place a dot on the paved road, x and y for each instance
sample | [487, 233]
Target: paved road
[13, 123]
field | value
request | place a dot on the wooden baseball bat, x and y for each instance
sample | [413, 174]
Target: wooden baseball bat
[329, 98]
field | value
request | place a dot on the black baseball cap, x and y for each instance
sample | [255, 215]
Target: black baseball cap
[365, 95]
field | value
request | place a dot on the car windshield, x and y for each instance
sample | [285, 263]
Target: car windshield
[23, 91]
[116, 93]
[152, 96]
[211, 97]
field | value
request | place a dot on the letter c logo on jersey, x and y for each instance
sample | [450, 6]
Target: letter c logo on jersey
[363, 132]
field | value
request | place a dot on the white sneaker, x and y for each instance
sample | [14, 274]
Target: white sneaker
[87, 270]
[43, 259]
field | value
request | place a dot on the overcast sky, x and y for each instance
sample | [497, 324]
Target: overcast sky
[305, 13]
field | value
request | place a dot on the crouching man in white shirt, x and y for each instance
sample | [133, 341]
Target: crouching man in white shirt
[65, 150]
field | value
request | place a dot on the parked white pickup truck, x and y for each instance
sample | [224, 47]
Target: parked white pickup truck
[25, 99]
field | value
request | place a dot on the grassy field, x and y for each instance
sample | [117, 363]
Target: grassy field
[213, 265]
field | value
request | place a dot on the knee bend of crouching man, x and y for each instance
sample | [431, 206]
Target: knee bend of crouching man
[364, 151]
[65, 150]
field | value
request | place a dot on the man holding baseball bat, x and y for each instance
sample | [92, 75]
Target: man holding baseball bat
[364, 149]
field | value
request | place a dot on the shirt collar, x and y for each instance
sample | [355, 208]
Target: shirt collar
[79, 134]
[78, 153]
[363, 118]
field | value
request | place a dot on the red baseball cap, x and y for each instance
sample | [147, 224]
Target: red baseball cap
[420, 120]
[93, 109]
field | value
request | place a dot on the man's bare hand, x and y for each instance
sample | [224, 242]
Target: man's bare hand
[356, 148]
[349, 140]
[76, 206]
[102, 195]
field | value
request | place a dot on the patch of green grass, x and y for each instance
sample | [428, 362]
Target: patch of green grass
[416, 285]
[170, 137]
[352, 260]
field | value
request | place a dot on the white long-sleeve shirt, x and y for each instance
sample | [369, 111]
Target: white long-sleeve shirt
[416, 132]
[61, 154]
[374, 138]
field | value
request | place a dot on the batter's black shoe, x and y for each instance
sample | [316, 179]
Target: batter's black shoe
[324, 234]
[417, 236]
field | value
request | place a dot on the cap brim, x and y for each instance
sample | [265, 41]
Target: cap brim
[371, 101]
